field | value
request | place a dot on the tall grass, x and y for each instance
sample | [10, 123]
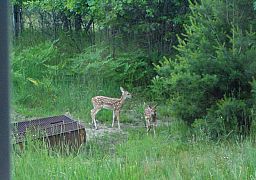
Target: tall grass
[142, 157]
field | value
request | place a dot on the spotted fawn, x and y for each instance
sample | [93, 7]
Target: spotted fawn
[150, 117]
[114, 104]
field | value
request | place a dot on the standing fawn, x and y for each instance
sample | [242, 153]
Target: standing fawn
[113, 104]
[150, 117]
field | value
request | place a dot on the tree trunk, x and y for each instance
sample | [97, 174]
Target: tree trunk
[78, 22]
[17, 19]
[41, 21]
[113, 36]
[21, 18]
[54, 17]
[94, 35]
[65, 21]
[89, 25]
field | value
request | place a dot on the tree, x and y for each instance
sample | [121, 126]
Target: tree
[211, 76]
[151, 25]
[154, 24]
[17, 17]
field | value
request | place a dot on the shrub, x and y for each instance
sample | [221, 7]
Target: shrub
[210, 77]
[133, 69]
[228, 116]
[33, 71]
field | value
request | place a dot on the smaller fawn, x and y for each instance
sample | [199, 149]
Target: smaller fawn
[114, 104]
[150, 117]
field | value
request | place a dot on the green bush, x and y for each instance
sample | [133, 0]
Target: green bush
[33, 72]
[228, 116]
[35, 62]
[135, 69]
[211, 76]
[131, 69]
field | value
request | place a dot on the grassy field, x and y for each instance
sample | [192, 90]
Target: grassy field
[172, 154]
[175, 153]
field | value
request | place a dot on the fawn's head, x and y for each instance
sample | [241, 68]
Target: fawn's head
[125, 94]
[152, 110]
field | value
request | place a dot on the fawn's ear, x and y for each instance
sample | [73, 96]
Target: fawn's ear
[122, 89]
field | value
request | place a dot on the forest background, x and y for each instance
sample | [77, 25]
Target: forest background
[196, 59]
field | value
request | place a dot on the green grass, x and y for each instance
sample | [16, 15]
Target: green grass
[141, 157]
[175, 153]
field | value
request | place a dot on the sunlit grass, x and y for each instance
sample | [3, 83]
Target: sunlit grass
[139, 156]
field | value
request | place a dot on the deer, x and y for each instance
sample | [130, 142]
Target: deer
[150, 117]
[114, 104]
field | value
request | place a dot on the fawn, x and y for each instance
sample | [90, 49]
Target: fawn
[150, 117]
[113, 104]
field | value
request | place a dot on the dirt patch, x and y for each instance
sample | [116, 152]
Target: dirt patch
[103, 130]
[91, 133]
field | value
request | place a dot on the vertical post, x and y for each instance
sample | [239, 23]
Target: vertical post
[17, 13]
[4, 93]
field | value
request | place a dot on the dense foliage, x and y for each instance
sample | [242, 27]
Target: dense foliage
[194, 58]
[198, 57]
[152, 25]
[90, 44]
[210, 83]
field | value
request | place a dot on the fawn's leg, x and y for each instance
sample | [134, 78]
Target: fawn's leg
[147, 125]
[155, 125]
[154, 129]
[93, 115]
[114, 116]
[118, 118]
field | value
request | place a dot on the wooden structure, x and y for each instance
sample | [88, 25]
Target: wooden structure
[61, 131]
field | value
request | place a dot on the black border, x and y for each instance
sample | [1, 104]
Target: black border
[4, 93]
